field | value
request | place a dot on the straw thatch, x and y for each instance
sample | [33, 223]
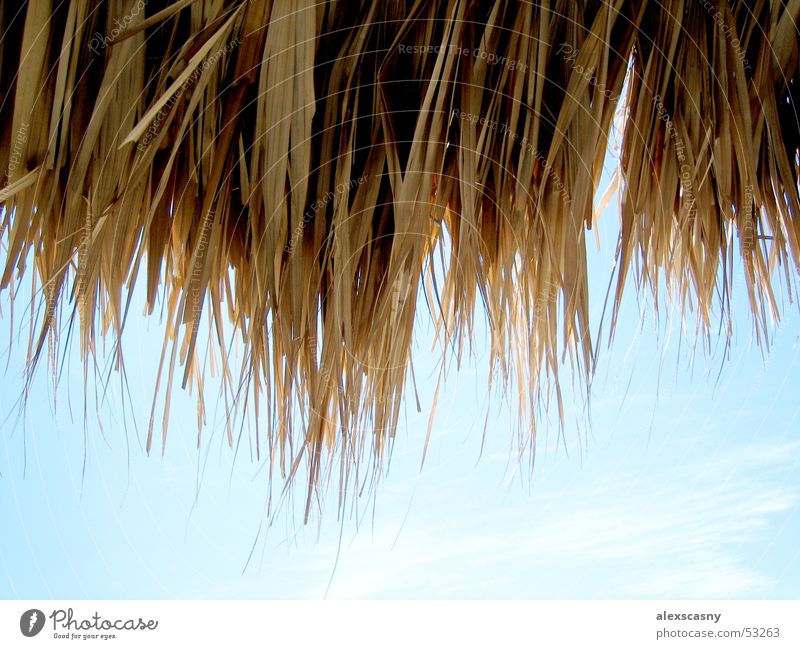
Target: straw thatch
[296, 168]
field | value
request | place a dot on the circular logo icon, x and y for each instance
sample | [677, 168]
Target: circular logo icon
[31, 622]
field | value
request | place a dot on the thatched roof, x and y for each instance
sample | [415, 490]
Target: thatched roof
[295, 169]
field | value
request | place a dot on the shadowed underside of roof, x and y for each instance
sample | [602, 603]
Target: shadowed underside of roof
[294, 169]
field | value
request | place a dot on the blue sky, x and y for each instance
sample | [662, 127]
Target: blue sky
[686, 484]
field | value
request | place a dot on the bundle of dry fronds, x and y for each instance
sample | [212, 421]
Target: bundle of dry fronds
[297, 166]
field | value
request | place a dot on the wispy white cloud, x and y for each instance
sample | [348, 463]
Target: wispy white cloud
[689, 530]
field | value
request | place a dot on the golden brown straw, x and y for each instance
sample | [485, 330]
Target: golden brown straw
[294, 168]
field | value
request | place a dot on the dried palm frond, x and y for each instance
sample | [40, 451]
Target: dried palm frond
[292, 168]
